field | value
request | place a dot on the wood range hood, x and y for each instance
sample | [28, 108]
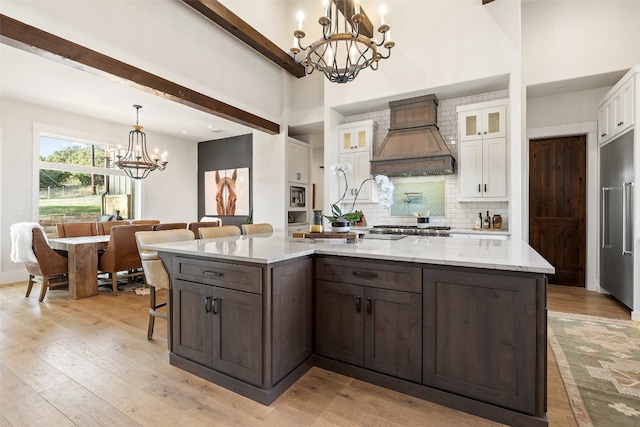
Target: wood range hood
[413, 145]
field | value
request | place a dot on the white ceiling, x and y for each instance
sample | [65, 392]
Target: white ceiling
[40, 81]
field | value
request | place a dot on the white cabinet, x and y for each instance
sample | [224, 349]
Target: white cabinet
[483, 154]
[297, 162]
[356, 142]
[616, 114]
[488, 122]
[357, 136]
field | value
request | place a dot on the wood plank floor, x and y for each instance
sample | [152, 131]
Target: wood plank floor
[88, 363]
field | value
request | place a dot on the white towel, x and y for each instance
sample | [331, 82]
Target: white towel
[22, 241]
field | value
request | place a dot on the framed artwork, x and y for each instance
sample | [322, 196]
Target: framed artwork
[226, 192]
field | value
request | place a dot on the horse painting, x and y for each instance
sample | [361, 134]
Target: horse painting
[226, 193]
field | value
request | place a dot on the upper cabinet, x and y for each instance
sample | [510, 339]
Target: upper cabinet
[297, 161]
[356, 142]
[615, 114]
[483, 151]
[357, 136]
[482, 123]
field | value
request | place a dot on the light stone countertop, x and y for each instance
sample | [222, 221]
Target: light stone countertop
[507, 255]
[479, 231]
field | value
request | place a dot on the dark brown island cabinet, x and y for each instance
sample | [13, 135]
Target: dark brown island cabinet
[472, 339]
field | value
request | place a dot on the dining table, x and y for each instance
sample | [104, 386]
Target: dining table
[83, 262]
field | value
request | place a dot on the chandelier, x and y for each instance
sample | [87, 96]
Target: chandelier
[343, 50]
[136, 161]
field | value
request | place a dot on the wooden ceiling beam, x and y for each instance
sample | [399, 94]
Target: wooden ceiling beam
[31, 39]
[486, 1]
[347, 8]
[219, 14]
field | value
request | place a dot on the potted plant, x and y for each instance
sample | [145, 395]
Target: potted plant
[340, 220]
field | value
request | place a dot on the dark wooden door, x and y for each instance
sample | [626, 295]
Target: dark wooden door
[237, 334]
[393, 333]
[557, 205]
[192, 324]
[339, 322]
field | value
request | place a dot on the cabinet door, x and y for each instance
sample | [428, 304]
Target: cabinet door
[339, 321]
[470, 124]
[393, 333]
[237, 334]
[292, 316]
[494, 167]
[623, 108]
[297, 163]
[360, 162]
[604, 123]
[493, 122]
[471, 178]
[192, 323]
[356, 138]
[480, 336]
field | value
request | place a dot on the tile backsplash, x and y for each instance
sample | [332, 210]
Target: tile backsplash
[456, 214]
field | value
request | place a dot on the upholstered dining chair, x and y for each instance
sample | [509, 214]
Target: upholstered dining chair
[262, 228]
[223, 231]
[121, 253]
[77, 229]
[155, 274]
[170, 226]
[50, 270]
[145, 221]
[104, 228]
[195, 226]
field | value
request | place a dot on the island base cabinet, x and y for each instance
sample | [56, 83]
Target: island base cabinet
[377, 329]
[219, 328]
[484, 336]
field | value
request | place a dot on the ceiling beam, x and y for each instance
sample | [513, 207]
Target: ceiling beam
[486, 1]
[347, 8]
[31, 39]
[216, 12]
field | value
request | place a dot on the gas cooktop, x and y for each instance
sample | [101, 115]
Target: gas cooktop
[432, 230]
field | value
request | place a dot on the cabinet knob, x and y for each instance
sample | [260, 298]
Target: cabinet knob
[479, 133]
[620, 124]
[485, 132]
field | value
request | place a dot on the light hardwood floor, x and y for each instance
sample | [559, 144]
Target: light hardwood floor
[87, 362]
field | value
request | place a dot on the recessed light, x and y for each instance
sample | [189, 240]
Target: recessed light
[184, 131]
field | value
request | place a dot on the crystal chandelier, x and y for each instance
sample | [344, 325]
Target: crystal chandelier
[136, 161]
[343, 50]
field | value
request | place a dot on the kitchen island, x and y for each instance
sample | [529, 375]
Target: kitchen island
[460, 322]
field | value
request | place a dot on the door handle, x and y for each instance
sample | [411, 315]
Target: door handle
[603, 234]
[625, 218]
[358, 304]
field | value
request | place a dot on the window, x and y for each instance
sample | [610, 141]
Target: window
[75, 184]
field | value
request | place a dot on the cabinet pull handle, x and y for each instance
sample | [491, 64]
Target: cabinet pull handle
[620, 124]
[368, 305]
[212, 273]
[479, 188]
[485, 188]
[207, 304]
[603, 135]
[215, 306]
[358, 304]
[366, 274]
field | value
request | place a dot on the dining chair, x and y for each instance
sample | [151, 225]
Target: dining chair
[155, 273]
[121, 254]
[145, 221]
[223, 231]
[262, 228]
[50, 271]
[104, 228]
[77, 229]
[195, 226]
[170, 226]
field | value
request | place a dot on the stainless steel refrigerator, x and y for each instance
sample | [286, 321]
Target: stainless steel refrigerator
[616, 222]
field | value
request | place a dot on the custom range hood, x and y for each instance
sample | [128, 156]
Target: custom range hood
[413, 145]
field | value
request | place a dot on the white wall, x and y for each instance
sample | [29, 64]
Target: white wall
[564, 108]
[19, 203]
[565, 39]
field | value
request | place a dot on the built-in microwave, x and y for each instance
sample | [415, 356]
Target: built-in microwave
[297, 196]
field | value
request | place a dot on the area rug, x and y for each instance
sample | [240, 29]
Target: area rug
[599, 361]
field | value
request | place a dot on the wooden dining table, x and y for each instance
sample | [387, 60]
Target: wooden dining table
[83, 262]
